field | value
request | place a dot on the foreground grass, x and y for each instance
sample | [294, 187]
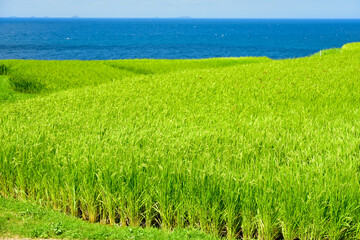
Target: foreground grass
[240, 148]
[25, 220]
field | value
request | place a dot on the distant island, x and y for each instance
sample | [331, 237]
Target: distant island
[184, 17]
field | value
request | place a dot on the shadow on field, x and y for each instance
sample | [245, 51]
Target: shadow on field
[3, 69]
[129, 69]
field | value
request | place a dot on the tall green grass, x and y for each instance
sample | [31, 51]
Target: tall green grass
[30, 76]
[267, 150]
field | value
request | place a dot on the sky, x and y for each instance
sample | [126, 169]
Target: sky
[182, 8]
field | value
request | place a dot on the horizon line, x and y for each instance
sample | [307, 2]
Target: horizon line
[186, 17]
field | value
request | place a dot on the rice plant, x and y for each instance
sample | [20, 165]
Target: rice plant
[244, 148]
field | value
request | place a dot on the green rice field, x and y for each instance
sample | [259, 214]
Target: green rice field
[248, 148]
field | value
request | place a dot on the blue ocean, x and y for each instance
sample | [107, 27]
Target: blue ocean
[88, 39]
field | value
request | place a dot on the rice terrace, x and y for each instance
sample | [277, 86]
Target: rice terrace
[247, 148]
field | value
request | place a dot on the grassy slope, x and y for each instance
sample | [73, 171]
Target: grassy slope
[268, 149]
[8, 94]
[29, 220]
[49, 76]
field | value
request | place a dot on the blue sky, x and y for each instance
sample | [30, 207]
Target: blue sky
[177, 8]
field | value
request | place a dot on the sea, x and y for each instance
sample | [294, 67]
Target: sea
[182, 38]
